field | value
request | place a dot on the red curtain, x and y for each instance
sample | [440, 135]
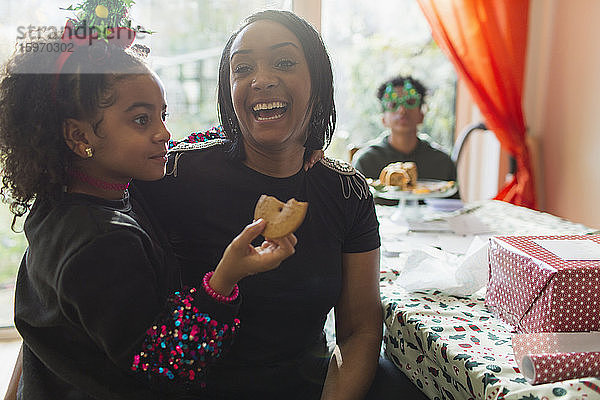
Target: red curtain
[486, 41]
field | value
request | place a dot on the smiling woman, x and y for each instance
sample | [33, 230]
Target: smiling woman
[276, 106]
[278, 66]
[270, 94]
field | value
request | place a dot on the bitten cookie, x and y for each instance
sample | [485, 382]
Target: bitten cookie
[282, 218]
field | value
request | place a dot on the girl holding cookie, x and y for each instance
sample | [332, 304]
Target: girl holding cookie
[276, 106]
[99, 301]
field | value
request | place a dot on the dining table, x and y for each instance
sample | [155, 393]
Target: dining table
[438, 331]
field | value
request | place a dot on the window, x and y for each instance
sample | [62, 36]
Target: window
[370, 42]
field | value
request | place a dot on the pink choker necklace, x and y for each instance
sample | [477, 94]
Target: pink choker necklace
[95, 182]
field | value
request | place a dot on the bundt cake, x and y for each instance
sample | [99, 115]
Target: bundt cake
[402, 174]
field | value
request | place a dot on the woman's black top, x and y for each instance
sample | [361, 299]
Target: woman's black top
[206, 199]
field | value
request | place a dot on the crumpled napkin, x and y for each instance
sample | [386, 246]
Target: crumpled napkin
[457, 275]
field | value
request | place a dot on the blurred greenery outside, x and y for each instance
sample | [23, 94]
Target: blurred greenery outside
[368, 43]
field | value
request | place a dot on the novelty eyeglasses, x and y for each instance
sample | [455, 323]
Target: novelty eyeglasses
[391, 101]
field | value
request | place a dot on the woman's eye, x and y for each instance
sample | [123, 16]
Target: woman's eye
[285, 64]
[142, 120]
[241, 68]
[165, 115]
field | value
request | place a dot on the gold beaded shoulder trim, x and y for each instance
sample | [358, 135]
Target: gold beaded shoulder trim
[185, 146]
[182, 147]
[351, 180]
[339, 166]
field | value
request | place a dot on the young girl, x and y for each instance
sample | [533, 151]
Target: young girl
[98, 302]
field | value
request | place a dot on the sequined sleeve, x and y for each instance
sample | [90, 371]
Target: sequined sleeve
[216, 132]
[185, 340]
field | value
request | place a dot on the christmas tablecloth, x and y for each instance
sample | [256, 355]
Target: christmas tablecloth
[452, 347]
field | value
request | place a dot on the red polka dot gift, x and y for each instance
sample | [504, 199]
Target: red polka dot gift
[545, 283]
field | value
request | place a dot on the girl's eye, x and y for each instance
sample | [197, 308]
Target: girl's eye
[142, 120]
[165, 115]
[285, 64]
[241, 68]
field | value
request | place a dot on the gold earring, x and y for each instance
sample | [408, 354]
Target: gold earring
[89, 152]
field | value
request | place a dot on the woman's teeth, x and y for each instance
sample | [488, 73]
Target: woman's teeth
[269, 111]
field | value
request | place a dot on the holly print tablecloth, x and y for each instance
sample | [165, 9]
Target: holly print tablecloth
[452, 348]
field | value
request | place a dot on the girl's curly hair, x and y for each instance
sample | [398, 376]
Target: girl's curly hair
[35, 101]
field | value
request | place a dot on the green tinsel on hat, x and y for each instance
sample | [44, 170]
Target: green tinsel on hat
[103, 15]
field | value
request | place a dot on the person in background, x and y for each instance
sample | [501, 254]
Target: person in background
[403, 106]
[276, 107]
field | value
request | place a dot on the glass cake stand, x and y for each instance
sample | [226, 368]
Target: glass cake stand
[408, 200]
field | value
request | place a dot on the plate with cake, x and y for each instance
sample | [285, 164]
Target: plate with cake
[400, 180]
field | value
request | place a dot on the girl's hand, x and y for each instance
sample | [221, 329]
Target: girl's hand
[241, 259]
[314, 158]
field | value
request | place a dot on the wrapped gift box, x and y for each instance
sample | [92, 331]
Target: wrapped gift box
[538, 290]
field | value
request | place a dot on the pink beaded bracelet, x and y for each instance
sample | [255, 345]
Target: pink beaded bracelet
[217, 296]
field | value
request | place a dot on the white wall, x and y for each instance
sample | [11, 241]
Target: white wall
[310, 10]
[562, 105]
